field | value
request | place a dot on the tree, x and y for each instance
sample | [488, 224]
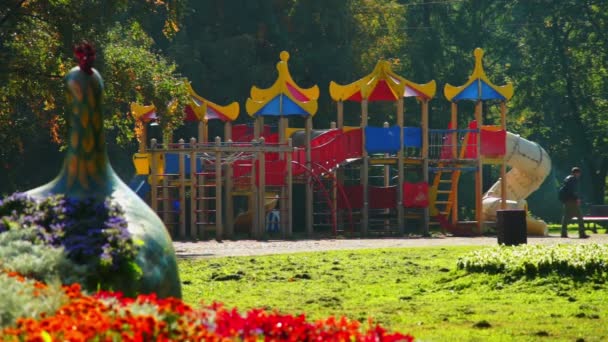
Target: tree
[36, 39]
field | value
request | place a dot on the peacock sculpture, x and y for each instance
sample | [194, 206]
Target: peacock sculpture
[87, 174]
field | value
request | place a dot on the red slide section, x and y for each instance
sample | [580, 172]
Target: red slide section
[330, 149]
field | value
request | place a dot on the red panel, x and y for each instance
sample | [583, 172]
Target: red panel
[493, 142]
[275, 172]
[354, 196]
[241, 170]
[242, 133]
[471, 148]
[382, 92]
[353, 143]
[296, 93]
[190, 116]
[382, 197]
[356, 97]
[416, 195]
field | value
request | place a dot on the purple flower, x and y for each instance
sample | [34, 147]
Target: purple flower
[92, 232]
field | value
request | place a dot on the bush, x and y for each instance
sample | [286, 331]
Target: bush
[90, 233]
[530, 260]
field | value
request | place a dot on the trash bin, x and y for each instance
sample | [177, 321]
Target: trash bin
[511, 227]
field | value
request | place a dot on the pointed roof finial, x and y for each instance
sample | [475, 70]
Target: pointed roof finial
[284, 97]
[478, 87]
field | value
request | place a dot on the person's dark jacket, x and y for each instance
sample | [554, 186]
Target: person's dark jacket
[569, 189]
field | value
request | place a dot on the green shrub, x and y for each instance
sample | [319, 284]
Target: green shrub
[531, 260]
[20, 296]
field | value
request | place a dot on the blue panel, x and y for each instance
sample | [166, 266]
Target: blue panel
[472, 92]
[382, 140]
[171, 163]
[292, 108]
[489, 93]
[469, 93]
[412, 136]
[272, 108]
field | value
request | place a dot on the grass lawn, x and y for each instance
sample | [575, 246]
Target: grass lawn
[415, 290]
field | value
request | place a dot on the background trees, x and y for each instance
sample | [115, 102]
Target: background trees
[553, 51]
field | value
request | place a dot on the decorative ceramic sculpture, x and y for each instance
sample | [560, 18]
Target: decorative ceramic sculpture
[87, 173]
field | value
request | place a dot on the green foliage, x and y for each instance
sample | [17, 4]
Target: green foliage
[37, 261]
[419, 290]
[587, 260]
[21, 299]
[21, 251]
[134, 73]
[36, 39]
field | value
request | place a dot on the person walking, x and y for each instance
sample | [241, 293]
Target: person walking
[568, 195]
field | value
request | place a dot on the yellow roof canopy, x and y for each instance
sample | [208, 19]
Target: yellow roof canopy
[284, 97]
[199, 109]
[478, 87]
[381, 85]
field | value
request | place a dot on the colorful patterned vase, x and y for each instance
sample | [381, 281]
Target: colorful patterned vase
[87, 173]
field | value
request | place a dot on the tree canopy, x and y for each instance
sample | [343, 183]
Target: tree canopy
[554, 52]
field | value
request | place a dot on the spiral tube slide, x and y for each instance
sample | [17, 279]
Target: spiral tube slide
[530, 165]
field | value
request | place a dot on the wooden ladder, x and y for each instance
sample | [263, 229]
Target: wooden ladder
[445, 187]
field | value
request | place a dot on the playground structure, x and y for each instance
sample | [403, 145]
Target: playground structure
[359, 180]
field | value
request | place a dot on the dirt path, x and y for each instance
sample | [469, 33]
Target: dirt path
[211, 249]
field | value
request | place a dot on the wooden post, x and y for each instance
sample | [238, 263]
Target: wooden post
[284, 201]
[454, 135]
[340, 118]
[143, 139]
[154, 177]
[425, 159]
[479, 173]
[289, 217]
[503, 165]
[364, 172]
[455, 155]
[400, 168]
[309, 188]
[229, 227]
[261, 190]
[167, 208]
[203, 132]
[182, 189]
[255, 189]
[386, 183]
[193, 189]
[218, 190]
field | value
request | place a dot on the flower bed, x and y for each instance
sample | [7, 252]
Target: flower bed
[61, 241]
[530, 260]
[110, 316]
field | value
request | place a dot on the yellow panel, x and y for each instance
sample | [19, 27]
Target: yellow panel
[138, 110]
[491, 128]
[142, 163]
[382, 161]
[349, 128]
[290, 131]
[230, 111]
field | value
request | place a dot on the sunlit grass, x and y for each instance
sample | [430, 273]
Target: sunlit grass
[414, 290]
